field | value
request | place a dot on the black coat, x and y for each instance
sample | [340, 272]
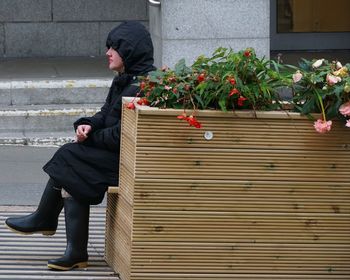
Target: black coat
[86, 169]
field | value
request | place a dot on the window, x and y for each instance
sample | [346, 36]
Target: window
[313, 16]
[310, 25]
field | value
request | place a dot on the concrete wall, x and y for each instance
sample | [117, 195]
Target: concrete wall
[44, 28]
[188, 28]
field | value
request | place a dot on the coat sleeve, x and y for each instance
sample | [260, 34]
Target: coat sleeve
[109, 137]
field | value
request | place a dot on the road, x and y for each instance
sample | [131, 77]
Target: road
[22, 179]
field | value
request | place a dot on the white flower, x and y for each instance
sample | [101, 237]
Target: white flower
[297, 76]
[317, 63]
[338, 65]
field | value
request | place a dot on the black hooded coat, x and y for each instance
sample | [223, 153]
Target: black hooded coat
[86, 169]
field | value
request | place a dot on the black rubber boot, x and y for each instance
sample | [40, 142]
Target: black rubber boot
[77, 232]
[45, 219]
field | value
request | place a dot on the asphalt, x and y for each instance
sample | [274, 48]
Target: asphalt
[22, 179]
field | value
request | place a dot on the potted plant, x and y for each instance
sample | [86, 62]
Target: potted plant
[247, 190]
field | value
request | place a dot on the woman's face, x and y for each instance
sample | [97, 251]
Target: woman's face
[115, 61]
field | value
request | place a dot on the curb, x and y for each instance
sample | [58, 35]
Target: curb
[36, 142]
[40, 92]
[39, 84]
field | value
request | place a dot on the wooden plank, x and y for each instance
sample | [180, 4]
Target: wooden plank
[113, 189]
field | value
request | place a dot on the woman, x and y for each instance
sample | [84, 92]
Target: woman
[81, 172]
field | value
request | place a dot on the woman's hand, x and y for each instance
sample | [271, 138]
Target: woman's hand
[82, 132]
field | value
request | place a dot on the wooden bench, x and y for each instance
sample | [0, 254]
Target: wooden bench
[266, 198]
[113, 189]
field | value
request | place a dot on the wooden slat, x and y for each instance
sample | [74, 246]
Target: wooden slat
[240, 133]
[248, 196]
[235, 276]
[25, 256]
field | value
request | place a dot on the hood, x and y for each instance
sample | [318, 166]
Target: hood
[133, 43]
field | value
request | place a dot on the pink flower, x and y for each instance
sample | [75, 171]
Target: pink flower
[322, 126]
[347, 123]
[297, 76]
[332, 80]
[344, 109]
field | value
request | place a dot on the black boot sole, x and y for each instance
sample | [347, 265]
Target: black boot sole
[59, 267]
[43, 232]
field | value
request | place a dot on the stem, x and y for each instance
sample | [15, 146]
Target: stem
[194, 106]
[322, 107]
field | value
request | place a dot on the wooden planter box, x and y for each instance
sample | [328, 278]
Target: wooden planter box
[266, 198]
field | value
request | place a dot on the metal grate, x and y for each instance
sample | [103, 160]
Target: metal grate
[25, 256]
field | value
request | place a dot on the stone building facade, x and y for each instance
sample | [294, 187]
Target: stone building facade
[46, 28]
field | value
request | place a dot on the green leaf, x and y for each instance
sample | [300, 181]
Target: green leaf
[222, 104]
[309, 106]
[200, 101]
[181, 68]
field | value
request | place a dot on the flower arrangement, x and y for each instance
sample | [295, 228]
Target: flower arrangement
[322, 87]
[225, 81]
[240, 80]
